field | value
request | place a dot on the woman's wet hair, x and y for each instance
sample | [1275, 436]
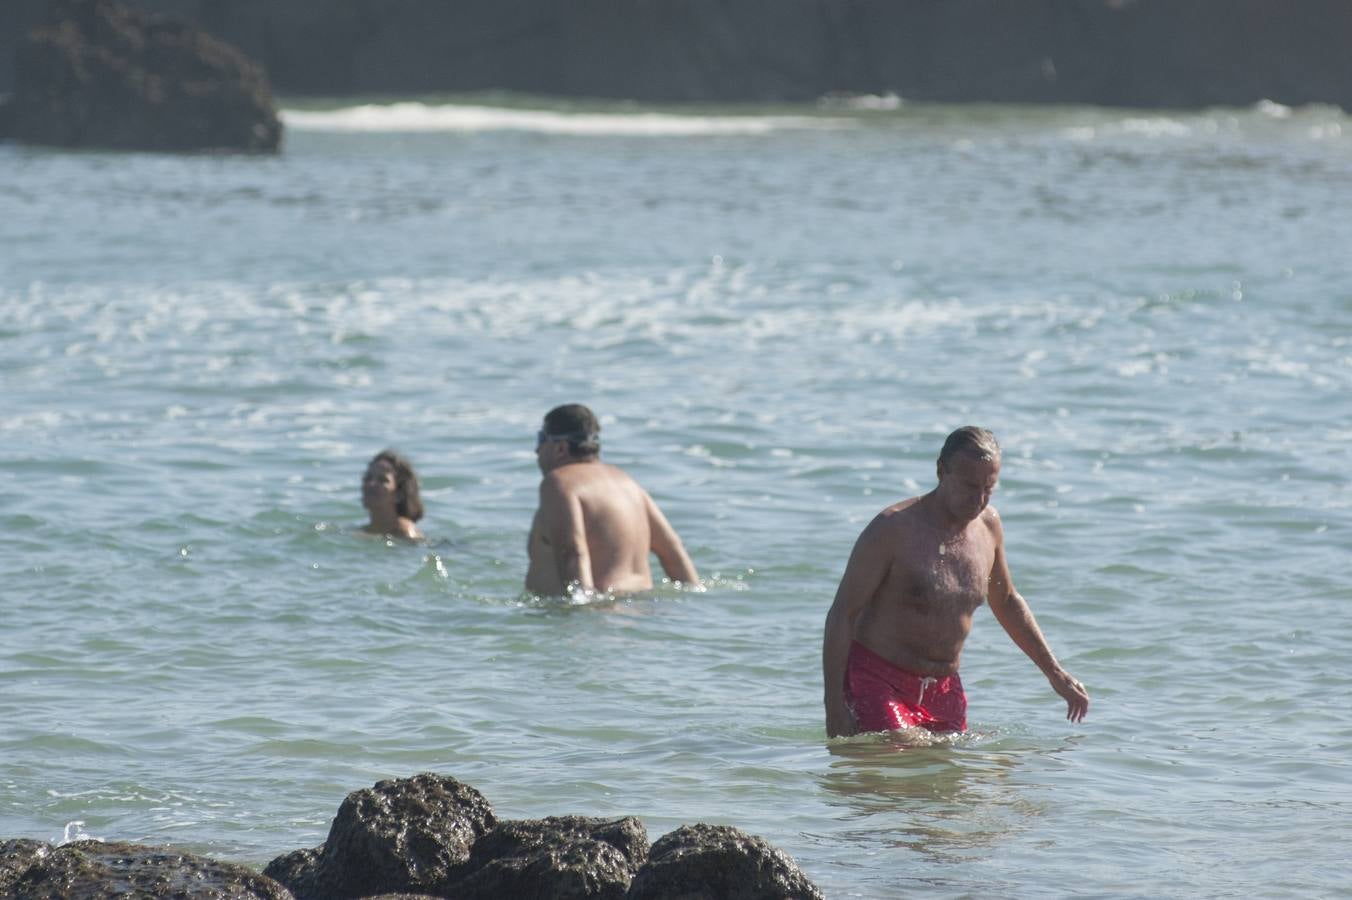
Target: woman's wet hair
[409, 503]
[578, 425]
[969, 439]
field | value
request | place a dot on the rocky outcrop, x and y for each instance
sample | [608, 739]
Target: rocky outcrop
[558, 858]
[409, 835]
[17, 857]
[100, 74]
[429, 836]
[1115, 52]
[298, 870]
[94, 869]
[435, 835]
[718, 862]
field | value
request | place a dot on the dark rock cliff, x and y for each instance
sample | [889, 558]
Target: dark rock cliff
[102, 74]
[1112, 52]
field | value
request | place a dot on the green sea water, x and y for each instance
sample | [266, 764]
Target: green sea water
[778, 315]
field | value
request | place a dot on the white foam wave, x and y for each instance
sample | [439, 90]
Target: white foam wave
[889, 102]
[421, 117]
[1265, 118]
[1272, 109]
[1146, 127]
[74, 831]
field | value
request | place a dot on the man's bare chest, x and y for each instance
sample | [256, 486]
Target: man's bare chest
[942, 575]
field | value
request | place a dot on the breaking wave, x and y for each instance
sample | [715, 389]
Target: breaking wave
[422, 117]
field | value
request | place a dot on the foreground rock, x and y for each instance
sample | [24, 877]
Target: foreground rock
[298, 870]
[410, 835]
[717, 862]
[428, 836]
[17, 857]
[433, 835]
[558, 858]
[92, 869]
[103, 75]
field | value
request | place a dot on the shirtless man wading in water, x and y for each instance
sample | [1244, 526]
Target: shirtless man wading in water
[904, 608]
[595, 525]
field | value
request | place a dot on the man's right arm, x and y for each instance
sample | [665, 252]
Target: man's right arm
[863, 576]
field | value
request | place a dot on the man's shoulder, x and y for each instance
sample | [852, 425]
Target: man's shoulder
[898, 517]
[899, 514]
[614, 471]
[579, 477]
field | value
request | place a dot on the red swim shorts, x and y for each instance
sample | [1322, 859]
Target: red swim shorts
[884, 697]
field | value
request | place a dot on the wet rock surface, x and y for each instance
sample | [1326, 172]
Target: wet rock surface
[428, 836]
[100, 74]
[16, 856]
[718, 862]
[410, 835]
[94, 869]
[297, 870]
[557, 858]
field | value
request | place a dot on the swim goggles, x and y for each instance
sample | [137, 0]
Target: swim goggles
[542, 437]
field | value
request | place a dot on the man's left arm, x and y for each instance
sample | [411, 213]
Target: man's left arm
[1013, 614]
[668, 547]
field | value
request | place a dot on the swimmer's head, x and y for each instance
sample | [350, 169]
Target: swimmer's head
[407, 499]
[575, 424]
[971, 440]
[968, 469]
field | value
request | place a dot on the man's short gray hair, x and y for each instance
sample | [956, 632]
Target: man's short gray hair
[969, 439]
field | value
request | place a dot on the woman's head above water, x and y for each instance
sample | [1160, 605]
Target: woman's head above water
[389, 491]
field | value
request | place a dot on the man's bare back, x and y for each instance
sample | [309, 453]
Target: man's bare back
[918, 573]
[613, 532]
[595, 525]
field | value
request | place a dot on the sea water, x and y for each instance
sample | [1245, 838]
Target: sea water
[778, 315]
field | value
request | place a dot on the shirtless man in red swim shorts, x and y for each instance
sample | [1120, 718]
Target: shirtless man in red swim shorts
[904, 608]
